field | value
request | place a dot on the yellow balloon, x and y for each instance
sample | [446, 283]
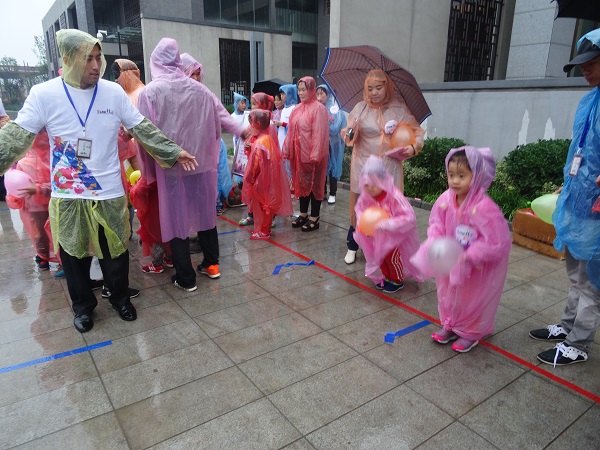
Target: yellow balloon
[544, 207]
[134, 177]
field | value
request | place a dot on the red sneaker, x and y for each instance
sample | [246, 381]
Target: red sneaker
[151, 268]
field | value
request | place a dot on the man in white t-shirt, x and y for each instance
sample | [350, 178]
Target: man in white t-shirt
[88, 208]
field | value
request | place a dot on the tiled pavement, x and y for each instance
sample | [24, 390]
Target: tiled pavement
[297, 360]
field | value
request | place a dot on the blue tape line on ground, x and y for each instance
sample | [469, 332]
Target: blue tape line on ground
[278, 267]
[53, 357]
[406, 330]
[4, 209]
[229, 232]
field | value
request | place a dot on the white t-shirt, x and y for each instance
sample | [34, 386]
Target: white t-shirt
[285, 118]
[99, 176]
[2, 111]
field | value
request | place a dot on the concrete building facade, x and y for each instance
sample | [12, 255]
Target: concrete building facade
[490, 69]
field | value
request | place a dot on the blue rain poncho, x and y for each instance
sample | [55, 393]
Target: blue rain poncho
[237, 98]
[577, 227]
[337, 121]
[224, 173]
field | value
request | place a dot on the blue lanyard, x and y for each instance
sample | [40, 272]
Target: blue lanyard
[589, 119]
[73, 105]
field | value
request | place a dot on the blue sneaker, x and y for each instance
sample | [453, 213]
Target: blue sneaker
[389, 287]
[59, 274]
[380, 286]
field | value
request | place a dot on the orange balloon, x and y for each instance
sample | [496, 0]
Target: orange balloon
[403, 136]
[371, 217]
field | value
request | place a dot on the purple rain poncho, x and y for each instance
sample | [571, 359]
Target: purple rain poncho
[469, 296]
[399, 231]
[184, 110]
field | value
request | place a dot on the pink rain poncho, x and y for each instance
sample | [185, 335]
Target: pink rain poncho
[399, 231]
[184, 110]
[266, 188]
[469, 296]
[307, 144]
[33, 209]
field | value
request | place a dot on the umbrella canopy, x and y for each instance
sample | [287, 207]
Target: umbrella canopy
[346, 68]
[580, 9]
[270, 87]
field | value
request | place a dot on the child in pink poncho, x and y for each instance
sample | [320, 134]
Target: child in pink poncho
[396, 238]
[265, 189]
[33, 206]
[469, 295]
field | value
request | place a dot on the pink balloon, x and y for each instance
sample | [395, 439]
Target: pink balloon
[15, 180]
[443, 255]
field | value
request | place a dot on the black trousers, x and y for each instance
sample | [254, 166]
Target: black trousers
[209, 242]
[182, 262]
[332, 185]
[350, 242]
[315, 205]
[77, 273]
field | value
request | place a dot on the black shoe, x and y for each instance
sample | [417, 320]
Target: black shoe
[83, 323]
[550, 333]
[126, 312]
[562, 354]
[133, 293]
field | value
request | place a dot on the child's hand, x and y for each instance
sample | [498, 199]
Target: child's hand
[384, 225]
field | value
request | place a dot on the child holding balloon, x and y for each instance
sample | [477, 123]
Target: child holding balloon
[387, 230]
[469, 280]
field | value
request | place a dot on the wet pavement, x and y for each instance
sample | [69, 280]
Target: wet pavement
[295, 360]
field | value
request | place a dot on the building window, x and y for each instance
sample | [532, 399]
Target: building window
[235, 69]
[251, 13]
[327, 7]
[472, 40]
[304, 60]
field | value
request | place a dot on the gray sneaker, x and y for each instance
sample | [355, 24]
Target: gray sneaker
[550, 333]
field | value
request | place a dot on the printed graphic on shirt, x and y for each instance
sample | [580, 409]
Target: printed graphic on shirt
[70, 175]
[465, 235]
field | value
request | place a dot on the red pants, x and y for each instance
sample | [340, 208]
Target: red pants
[262, 221]
[391, 267]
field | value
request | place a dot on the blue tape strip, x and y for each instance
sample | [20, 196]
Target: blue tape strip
[229, 232]
[278, 267]
[4, 209]
[53, 357]
[389, 337]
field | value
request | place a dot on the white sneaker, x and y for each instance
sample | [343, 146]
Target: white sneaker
[350, 257]
[331, 199]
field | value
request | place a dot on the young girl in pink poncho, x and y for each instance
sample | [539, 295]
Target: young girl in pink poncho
[396, 238]
[265, 189]
[33, 206]
[469, 295]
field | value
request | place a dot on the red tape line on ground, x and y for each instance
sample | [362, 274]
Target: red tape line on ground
[432, 319]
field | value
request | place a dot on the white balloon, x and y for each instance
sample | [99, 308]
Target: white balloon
[443, 255]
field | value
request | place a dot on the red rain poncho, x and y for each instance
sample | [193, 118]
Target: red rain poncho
[144, 198]
[33, 209]
[266, 188]
[184, 110]
[469, 296]
[307, 144]
[399, 231]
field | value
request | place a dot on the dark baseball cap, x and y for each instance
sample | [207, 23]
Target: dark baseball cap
[586, 51]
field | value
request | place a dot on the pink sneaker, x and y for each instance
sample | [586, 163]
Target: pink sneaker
[463, 346]
[444, 336]
[259, 235]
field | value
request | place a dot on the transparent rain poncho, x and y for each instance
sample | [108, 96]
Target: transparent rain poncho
[307, 144]
[75, 46]
[184, 109]
[469, 296]
[190, 65]
[337, 121]
[265, 189]
[577, 227]
[399, 231]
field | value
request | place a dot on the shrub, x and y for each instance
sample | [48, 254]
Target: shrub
[425, 174]
[535, 169]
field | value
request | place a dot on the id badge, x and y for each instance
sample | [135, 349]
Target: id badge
[84, 148]
[575, 164]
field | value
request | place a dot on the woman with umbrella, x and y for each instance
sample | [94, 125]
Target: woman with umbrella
[370, 125]
[307, 147]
